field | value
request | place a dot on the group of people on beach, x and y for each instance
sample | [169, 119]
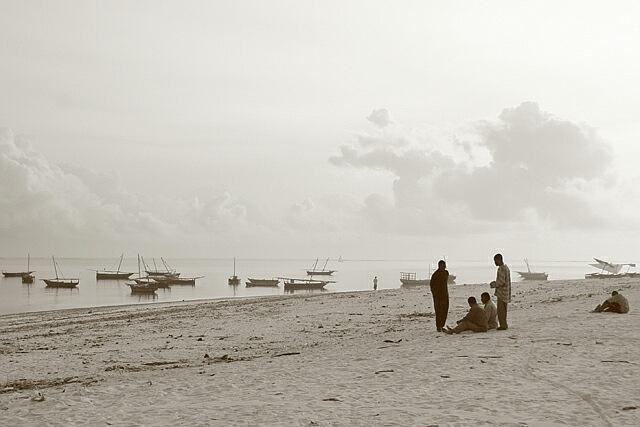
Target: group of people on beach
[483, 318]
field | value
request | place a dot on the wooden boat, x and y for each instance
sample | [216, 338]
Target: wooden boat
[262, 283]
[113, 274]
[143, 285]
[234, 280]
[613, 271]
[60, 281]
[410, 279]
[143, 288]
[530, 275]
[163, 280]
[19, 273]
[295, 284]
[322, 272]
[28, 278]
[167, 272]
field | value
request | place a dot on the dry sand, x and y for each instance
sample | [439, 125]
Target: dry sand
[366, 358]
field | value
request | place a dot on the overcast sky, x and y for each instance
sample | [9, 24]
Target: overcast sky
[301, 129]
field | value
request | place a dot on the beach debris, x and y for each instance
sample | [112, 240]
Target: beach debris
[292, 353]
[445, 376]
[199, 339]
[615, 361]
[331, 399]
[38, 397]
[392, 341]
[629, 408]
[564, 343]
[206, 356]
[384, 371]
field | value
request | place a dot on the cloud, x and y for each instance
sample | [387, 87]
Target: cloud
[380, 117]
[539, 171]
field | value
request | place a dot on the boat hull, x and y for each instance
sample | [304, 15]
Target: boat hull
[61, 283]
[162, 274]
[304, 285]
[416, 282]
[320, 272]
[234, 281]
[525, 275]
[16, 274]
[104, 275]
[142, 289]
[27, 278]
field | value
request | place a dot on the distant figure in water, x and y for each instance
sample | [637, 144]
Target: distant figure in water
[440, 293]
[489, 309]
[502, 285]
[375, 283]
[475, 320]
[615, 304]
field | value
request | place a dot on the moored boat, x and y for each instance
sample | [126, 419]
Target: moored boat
[234, 280]
[60, 281]
[143, 285]
[296, 284]
[113, 274]
[262, 282]
[321, 272]
[410, 280]
[19, 273]
[531, 275]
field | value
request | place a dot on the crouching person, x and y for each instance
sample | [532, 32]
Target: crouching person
[475, 320]
[615, 304]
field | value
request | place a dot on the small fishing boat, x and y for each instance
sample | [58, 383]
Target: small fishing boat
[410, 280]
[143, 285]
[267, 283]
[113, 274]
[60, 281]
[234, 280]
[291, 283]
[163, 280]
[167, 272]
[18, 273]
[613, 271]
[28, 278]
[531, 275]
[322, 272]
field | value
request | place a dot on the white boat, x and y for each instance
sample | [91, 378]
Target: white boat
[530, 275]
[609, 270]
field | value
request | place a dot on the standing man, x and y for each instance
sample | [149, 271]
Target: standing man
[375, 283]
[440, 293]
[503, 290]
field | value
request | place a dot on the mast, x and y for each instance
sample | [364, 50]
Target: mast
[28, 259]
[325, 264]
[165, 264]
[154, 264]
[120, 264]
[315, 264]
[55, 268]
[139, 274]
[234, 266]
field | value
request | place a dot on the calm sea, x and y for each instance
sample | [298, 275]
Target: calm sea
[351, 275]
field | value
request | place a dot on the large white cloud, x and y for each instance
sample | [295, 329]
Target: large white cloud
[537, 170]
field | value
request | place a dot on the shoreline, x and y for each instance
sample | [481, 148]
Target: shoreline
[232, 298]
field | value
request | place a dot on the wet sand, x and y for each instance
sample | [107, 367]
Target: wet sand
[363, 358]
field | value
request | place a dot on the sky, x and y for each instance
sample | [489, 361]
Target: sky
[362, 129]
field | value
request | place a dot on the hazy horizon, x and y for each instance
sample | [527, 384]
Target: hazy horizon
[297, 130]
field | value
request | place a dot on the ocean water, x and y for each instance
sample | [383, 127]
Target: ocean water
[351, 275]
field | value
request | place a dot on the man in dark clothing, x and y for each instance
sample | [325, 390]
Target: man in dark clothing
[440, 293]
[475, 320]
[616, 304]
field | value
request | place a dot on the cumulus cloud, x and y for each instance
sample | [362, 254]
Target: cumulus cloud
[49, 206]
[540, 170]
[380, 117]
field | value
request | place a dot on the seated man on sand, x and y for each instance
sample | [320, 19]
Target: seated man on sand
[615, 304]
[475, 320]
[490, 309]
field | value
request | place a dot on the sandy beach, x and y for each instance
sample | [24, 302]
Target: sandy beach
[364, 358]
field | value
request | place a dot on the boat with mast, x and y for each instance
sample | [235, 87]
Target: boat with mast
[234, 280]
[60, 281]
[531, 275]
[322, 272]
[113, 274]
[28, 278]
[167, 272]
[143, 285]
[292, 283]
[613, 271]
[18, 273]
